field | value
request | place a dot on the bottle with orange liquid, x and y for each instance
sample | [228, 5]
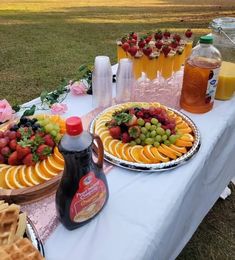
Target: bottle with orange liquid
[201, 77]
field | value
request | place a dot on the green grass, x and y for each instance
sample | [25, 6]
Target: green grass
[42, 41]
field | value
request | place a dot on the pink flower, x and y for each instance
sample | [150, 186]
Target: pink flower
[6, 112]
[78, 88]
[58, 108]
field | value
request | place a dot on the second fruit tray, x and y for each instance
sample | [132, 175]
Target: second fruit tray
[184, 125]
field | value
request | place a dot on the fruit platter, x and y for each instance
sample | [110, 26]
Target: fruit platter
[30, 163]
[145, 136]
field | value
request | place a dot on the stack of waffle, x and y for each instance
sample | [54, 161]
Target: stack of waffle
[12, 228]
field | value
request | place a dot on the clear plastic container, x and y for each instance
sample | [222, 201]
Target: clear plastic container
[201, 77]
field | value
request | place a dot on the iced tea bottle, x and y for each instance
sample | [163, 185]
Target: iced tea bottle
[201, 77]
[83, 190]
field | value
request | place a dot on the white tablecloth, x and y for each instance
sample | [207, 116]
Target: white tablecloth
[152, 216]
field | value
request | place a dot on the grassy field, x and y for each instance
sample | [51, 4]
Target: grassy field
[42, 41]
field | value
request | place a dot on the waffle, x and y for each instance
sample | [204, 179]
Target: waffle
[8, 223]
[21, 249]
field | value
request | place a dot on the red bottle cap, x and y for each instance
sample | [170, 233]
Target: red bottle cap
[74, 125]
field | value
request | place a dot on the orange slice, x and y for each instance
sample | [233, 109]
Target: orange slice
[3, 171]
[135, 153]
[106, 142]
[9, 177]
[184, 130]
[180, 142]
[144, 158]
[166, 152]
[187, 137]
[118, 149]
[178, 148]
[159, 156]
[178, 120]
[43, 172]
[100, 129]
[104, 134]
[112, 146]
[54, 165]
[15, 178]
[182, 124]
[23, 178]
[126, 153]
[149, 154]
[31, 176]
[177, 153]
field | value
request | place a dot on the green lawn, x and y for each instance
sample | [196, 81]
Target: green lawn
[42, 41]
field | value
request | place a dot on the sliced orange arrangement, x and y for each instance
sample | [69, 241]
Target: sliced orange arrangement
[135, 144]
[16, 171]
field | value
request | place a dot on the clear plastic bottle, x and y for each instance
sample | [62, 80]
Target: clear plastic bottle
[83, 190]
[201, 77]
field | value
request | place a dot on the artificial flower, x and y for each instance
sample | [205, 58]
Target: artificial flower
[78, 88]
[58, 108]
[6, 112]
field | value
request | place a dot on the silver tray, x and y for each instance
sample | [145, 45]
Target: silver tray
[157, 166]
[32, 235]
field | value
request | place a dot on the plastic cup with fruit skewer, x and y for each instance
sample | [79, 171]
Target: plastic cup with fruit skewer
[30, 163]
[146, 136]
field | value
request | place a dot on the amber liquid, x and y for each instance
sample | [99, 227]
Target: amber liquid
[196, 76]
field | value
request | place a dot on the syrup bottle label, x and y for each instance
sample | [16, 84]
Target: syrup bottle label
[211, 85]
[89, 199]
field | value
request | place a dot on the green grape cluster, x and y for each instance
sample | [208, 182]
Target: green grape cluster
[51, 128]
[153, 134]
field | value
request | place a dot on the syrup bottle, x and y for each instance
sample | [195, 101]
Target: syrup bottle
[83, 190]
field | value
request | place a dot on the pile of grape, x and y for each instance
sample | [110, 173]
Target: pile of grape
[153, 134]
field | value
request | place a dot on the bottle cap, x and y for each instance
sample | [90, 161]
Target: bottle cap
[74, 125]
[206, 39]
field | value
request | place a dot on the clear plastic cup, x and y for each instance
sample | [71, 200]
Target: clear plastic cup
[102, 82]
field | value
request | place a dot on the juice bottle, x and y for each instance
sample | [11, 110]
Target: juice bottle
[83, 189]
[201, 77]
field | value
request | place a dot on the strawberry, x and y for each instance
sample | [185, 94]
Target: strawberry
[174, 44]
[49, 140]
[133, 50]
[13, 159]
[132, 121]
[29, 160]
[148, 38]
[1, 134]
[141, 43]
[133, 35]
[12, 135]
[188, 33]
[133, 41]
[177, 37]
[22, 151]
[125, 46]
[115, 132]
[147, 50]
[158, 35]
[18, 135]
[166, 34]
[158, 44]
[134, 131]
[13, 144]
[126, 138]
[43, 151]
[166, 49]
